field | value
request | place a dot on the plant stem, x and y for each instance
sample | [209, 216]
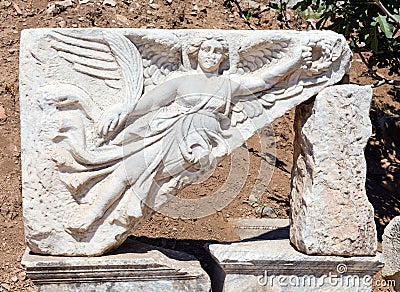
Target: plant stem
[242, 14]
[388, 14]
[374, 74]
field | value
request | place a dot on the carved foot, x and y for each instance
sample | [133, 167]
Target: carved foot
[82, 220]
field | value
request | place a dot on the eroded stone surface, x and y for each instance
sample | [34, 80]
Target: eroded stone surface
[331, 214]
[391, 248]
[115, 121]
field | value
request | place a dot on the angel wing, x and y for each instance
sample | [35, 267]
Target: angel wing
[257, 56]
[130, 64]
[161, 54]
[104, 55]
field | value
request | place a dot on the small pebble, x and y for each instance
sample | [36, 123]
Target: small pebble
[21, 276]
[154, 6]
[110, 3]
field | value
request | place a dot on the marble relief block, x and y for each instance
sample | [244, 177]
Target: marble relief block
[116, 121]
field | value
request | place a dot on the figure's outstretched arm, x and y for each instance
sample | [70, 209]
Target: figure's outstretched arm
[154, 99]
[157, 97]
[266, 78]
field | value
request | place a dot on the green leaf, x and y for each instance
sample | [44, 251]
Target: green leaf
[385, 26]
[249, 15]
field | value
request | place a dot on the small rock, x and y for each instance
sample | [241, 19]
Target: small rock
[266, 211]
[5, 286]
[195, 9]
[253, 198]
[16, 7]
[154, 6]
[61, 22]
[83, 1]
[4, 4]
[21, 276]
[30, 289]
[57, 7]
[122, 19]
[110, 3]
[169, 1]
[14, 279]
[2, 113]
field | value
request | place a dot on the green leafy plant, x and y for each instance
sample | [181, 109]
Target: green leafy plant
[368, 25]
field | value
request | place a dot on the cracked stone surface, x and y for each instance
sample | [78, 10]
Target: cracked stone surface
[331, 214]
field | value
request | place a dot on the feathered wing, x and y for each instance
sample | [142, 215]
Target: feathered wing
[161, 54]
[257, 56]
[104, 55]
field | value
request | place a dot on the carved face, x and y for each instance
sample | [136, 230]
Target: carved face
[211, 55]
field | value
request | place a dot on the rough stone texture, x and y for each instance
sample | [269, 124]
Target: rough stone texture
[330, 213]
[115, 121]
[274, 265]
[133, 267]
[391, 248]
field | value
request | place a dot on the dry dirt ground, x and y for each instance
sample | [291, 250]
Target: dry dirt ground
[16, 15]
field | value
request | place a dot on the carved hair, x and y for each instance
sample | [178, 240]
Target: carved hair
[190, 53]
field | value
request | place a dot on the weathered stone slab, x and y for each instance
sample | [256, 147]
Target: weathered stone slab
[274, 265]
[391, 250]
[261, 228]
[331, 214]
[115, 121]
[132, 267]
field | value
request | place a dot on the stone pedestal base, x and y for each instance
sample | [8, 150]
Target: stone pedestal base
[133, 267]
[274, 265]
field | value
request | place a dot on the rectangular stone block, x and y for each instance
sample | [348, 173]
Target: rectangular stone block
[330, 211]
[132, 267]
[274, 265]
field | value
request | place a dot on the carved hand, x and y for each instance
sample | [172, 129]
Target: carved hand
[307, 57]
[112, 119]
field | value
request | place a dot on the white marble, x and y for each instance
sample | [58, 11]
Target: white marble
[330, 211]
[260, 228]
[274, 265]
[391, 249]
[116, 121]
[132, 267]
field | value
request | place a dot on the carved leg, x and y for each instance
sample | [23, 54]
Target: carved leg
[103, 195]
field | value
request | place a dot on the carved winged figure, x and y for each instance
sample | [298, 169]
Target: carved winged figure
[178, 107]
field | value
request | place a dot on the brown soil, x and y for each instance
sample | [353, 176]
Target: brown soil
[22, 14]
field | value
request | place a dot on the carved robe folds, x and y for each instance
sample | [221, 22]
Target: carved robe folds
[115, 121]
